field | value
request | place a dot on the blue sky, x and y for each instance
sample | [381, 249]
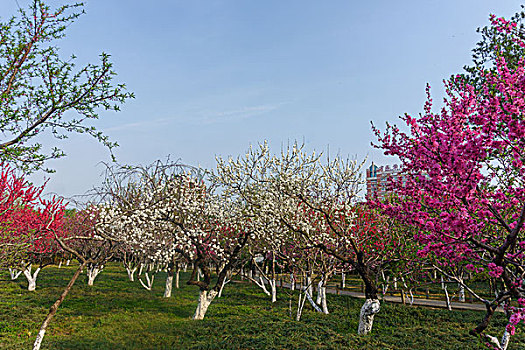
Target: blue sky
[213, 77]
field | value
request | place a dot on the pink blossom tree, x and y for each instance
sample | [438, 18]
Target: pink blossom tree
[464, 175]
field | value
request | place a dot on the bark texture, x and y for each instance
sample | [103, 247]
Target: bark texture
[366, 317]
[205, 299]
[92, 273]
[54, 308]
[169, 285]
[31, 278]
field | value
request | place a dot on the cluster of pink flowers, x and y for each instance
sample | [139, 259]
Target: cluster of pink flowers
[495, 271]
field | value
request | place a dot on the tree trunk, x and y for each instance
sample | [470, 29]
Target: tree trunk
[411, 300]
[309, 284]
[319, 292]
[372, 304]
[292, 282]
[447, 297]
[323, 300]
[301, 302]
[149, 281]
[262, 284]
[205, 299]
[312, 302]
[54, 308]
[366, 317]
[92, 273]
[31, 278]
[461, 292]
[14, 273]
[505, 340]
[343, 280]
[169, 285]
[169, 278]
[131, 273]
[273, 285]
[222, 288]
[177, 278]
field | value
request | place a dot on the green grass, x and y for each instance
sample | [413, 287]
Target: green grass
[118, 314]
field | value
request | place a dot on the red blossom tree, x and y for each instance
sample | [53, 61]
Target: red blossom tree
[28, 224]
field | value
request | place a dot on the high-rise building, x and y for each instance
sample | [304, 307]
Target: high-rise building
[378, 180]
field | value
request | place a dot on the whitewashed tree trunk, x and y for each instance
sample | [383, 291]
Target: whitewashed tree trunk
[411, 300]
[92, 273]
[31, 278]
[343, 280]
[366, 317]
[300, 306]
[52, 311]
[222, 287]
[273, 286]
[309, 297]
[60, 263]
[141, 267]
[225, 281]
[131, 273]
[395, 282]
[169, 286]
[505, 340]
[185, 267]
[324, 304]
[149, 281]
[309, 284]
[68, 262]
[262, 284]
[292, 282]
[386, 285]
[177, 278]
[461, 291]
[447, 297]
[14, 273]
[319, 292]
[205, 299]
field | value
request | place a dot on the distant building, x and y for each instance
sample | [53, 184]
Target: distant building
[378, 180]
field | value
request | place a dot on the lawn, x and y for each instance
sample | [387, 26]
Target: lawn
[118, 314]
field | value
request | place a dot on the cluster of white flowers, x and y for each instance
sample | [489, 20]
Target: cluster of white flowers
[291, 198]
